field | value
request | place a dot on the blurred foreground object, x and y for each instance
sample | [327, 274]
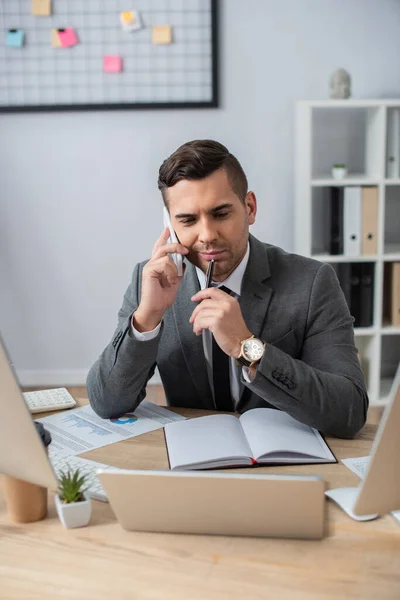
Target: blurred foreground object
[27, 502]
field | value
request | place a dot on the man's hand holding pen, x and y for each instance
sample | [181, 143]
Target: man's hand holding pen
[220, 313]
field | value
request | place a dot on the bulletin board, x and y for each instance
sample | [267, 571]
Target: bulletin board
[36, 76]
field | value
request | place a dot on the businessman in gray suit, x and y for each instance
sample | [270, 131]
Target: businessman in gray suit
[273, 329]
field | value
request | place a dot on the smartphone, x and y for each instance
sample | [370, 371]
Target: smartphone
[177, 258]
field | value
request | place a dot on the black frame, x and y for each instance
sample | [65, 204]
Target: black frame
[213, 103]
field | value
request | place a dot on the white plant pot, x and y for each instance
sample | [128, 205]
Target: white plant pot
[339, 173]
[76, 514]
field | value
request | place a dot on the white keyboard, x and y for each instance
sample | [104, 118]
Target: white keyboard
[55, 399]
[86, 467]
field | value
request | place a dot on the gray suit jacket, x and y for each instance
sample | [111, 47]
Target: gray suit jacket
[310, 368]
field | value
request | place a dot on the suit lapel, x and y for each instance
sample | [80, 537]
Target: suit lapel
[255, 295]
[192, 345]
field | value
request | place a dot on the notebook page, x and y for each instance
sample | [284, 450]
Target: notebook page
[205, 439]
[269, 430]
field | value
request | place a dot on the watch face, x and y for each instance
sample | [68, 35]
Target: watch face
[253, 349]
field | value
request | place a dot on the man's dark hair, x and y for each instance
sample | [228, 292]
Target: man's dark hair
[198, 159]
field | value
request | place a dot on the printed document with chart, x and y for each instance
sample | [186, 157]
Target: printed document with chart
[80, 429]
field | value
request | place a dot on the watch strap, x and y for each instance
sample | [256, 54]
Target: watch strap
[244, 362]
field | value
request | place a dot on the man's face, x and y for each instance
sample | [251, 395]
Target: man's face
[211, 221]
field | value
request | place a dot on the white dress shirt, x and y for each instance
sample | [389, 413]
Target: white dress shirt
[234, 283]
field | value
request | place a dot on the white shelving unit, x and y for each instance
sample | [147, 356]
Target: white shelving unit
[354, 132]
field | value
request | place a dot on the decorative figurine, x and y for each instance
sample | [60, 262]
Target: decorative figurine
[340, 84]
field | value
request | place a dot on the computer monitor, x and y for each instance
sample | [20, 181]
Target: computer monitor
[22, 454]
[379, 492]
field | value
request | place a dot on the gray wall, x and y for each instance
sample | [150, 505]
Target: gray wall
[79, 205]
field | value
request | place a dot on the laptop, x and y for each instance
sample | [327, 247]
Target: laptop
[284, 506]
[379, 491]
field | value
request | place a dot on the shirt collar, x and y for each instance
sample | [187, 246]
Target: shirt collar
[234, 281]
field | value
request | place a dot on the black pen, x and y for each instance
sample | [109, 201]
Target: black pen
[209, 273]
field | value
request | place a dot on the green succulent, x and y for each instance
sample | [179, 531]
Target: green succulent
[70, 486]
[339, 166]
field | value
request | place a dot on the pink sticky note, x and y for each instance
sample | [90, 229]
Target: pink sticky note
[112, 64]
[67, 37]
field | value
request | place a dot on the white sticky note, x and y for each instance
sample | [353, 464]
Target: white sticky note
[130, 20]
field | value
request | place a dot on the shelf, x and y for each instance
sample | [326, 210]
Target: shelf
[354, 132]
[392, 252]
[341, 258]
[391, 257]
[364, 330]
[391, 181]
[350, 103]
[390, 330]
[360, 179]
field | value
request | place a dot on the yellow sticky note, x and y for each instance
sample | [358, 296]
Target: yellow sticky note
[162, 34]
[55, 39]
[41, 8]
[127, 16]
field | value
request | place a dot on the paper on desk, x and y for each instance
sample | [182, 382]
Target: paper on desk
[80, 429]
[359, 467]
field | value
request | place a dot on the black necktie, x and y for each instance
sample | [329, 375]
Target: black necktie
[220, 371]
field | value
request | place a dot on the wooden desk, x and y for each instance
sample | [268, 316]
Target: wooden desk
[102, 561]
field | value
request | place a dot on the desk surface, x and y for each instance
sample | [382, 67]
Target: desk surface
[102, 561]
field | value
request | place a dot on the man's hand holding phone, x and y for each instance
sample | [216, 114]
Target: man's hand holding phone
[160, 283]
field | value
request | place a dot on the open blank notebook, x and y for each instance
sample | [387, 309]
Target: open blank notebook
[259, 436]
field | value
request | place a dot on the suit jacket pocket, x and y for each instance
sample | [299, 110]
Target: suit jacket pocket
[287, 343]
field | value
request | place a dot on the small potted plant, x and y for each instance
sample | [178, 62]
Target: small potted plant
[339, 171]
[73, 505]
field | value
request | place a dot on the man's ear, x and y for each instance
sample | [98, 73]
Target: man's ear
[251, 206]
